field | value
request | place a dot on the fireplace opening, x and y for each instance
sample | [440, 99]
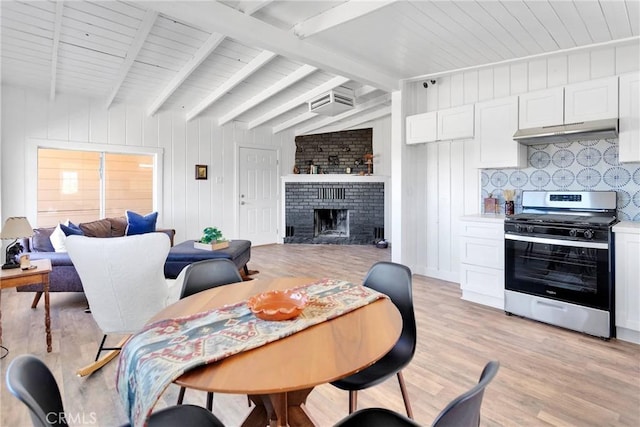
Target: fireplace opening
[331, 222]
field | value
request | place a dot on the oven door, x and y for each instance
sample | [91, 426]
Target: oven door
[565, 270]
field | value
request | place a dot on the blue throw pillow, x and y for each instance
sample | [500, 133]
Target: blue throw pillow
[70, 229]
[138, 224]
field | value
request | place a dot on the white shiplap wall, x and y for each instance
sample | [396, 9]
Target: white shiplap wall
[188, 205]
[444, 180]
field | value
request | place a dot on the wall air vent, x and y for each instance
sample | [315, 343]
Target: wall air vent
[334, 102]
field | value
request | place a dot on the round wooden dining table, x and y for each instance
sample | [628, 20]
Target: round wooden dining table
[279, 376]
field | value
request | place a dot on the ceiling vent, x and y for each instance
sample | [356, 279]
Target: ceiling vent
[334, 102]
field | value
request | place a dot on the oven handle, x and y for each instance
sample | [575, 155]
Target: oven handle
[558, 242]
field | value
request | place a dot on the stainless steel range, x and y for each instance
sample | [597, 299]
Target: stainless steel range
[559, 260]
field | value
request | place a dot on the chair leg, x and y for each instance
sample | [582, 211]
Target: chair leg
[405, 395]
[90, 369]
[104, 338]
[353, 401]
[181, 395]
[210, 401]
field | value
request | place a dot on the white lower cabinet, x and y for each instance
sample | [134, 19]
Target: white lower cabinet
[482, 260]
[627, 288]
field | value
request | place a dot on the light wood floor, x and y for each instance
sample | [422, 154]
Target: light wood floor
[548, 376]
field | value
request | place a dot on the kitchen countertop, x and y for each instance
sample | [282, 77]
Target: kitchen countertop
[484, 217]
[627, 227]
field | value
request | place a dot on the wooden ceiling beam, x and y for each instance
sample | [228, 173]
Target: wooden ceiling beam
[272, 90]
[364, 118]
[364, 90]
[335, 16]
[357, 109]
[141, 36]
[217, 17]
[250, 7]
[55, 48]
[254, 65]
[212, 42]
[297, 101]
[294, 121]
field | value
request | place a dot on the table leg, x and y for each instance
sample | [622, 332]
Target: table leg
[280, 409]
[279, 403]
[0, 315]
[47, 314]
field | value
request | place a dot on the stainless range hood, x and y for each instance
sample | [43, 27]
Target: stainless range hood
[596, 129]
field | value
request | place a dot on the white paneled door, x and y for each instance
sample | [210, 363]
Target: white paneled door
[258, 196]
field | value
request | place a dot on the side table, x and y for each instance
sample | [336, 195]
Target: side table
[16, 277]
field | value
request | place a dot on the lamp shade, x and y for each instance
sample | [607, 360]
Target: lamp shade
[16, 227]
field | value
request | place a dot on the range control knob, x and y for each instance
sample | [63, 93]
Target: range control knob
[530, 228]
[588, 234]
[573, 232]
[518, 228]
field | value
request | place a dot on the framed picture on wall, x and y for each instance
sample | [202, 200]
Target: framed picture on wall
[201, 171]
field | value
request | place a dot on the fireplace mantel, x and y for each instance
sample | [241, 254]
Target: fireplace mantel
[333, 178]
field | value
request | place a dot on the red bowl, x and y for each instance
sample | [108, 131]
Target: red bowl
[277, 305]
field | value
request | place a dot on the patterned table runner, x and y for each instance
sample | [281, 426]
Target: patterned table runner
[155, 357]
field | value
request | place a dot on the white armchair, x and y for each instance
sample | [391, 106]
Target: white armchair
[123, 280]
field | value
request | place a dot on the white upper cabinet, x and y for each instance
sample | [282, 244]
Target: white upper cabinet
[422, 128]
[591, 100]
[452, 123]
[541, 108]
[629, 136]
[579, 102]
[455, 123]
[496, 122]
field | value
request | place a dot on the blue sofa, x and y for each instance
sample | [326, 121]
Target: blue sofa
[64, 278]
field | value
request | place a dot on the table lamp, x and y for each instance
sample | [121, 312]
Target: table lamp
[15, 227]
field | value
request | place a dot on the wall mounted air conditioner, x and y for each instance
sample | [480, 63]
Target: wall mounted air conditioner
[334, 102]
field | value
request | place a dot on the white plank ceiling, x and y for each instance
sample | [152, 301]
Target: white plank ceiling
[260, 62]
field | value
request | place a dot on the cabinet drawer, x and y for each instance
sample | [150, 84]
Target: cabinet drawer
[483, 229]
[482, 252]
[482, 280]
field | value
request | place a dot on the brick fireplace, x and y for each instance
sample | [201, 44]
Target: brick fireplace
[334, 212]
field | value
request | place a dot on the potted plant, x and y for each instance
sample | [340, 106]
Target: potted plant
[211, 240]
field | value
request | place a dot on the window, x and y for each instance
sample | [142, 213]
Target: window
[88, 185]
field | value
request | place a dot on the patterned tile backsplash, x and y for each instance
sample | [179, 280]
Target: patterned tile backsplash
[575, 166]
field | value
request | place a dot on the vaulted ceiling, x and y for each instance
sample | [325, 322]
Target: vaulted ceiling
[260, 62]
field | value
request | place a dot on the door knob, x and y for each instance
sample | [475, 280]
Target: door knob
[242, 203]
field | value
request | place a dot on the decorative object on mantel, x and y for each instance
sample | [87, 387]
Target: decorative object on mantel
[296, 170]
[509, 207]
[211, 240]
[201, 171]
[490, 204]
[368, 160]
[15, 227]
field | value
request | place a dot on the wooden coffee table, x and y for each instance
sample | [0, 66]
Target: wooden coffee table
[16, 277]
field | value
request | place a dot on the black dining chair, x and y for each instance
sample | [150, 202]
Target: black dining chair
[31, 381]
[207, 274]
[463, 411]
[203, 275]
[394, 280]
